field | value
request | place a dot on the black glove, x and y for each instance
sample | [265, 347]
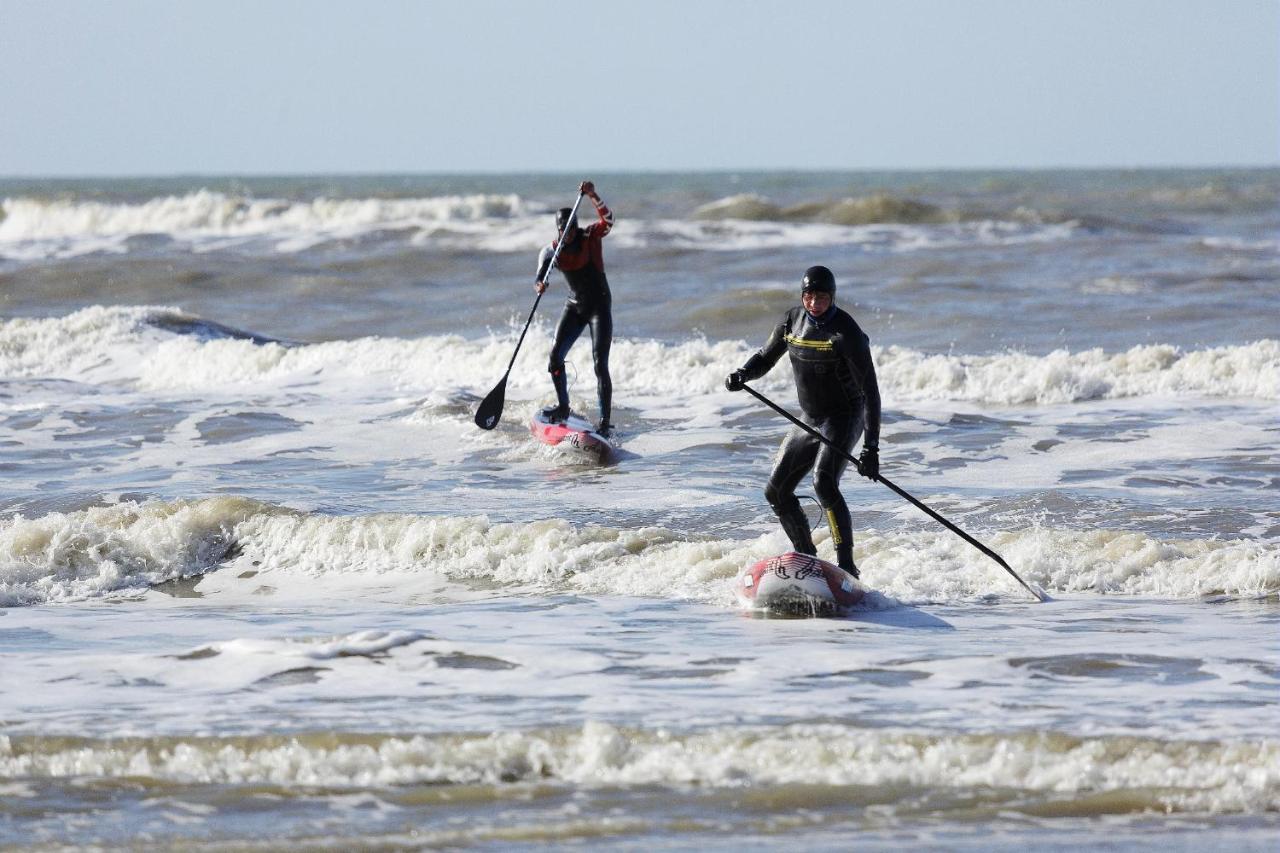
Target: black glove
[735, 381]
[869, 463]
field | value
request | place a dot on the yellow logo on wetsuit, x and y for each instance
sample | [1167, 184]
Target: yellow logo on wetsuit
[825, 346]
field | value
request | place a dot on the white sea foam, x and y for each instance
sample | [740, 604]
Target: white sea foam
[1248, 370]
[1119, 285]
[1202, 776]
[359, 644]
[101, 344]
[1239, 244]
[127, 547]
[87, 345]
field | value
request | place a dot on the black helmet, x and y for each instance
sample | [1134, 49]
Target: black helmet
[818, 280]
[562, 217]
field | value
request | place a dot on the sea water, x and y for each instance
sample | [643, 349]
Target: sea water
[264, 584]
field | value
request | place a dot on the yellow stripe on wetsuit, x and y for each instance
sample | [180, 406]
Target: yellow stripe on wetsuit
[825, 346]
[835, 529]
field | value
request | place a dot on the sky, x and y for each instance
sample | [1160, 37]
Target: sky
[156, 87]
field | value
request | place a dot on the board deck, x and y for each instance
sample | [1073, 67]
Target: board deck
[575, 432]
[798, 585]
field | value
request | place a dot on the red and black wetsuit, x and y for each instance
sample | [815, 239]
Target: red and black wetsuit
[589, 304]
[839, 396]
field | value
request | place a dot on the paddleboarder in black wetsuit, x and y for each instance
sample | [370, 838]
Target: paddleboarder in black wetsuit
[839, 397]
[590, 304]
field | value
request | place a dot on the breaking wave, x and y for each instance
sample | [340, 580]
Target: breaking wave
[1103, 775]
[867, 210]
[126, 548]
[886, 209]
[33, 229]
[208, 212]
[1012, 378]
[165, 349]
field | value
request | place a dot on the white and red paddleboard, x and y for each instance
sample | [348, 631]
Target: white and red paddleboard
[573, 432]
[798, 584]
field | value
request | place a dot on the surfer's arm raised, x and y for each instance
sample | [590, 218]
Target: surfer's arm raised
[605, 223]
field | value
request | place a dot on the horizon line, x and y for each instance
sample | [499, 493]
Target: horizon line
[352, 173]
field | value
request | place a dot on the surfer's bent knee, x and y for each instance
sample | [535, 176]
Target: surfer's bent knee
[826, 485]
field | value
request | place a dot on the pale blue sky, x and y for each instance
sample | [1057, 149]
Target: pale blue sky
[161, 87]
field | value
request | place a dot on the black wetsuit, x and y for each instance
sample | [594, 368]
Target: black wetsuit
[839, 397]
[590, 305]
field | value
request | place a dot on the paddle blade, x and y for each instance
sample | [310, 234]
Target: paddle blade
[490, 411]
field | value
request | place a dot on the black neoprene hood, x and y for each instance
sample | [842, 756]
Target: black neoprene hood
[818, 280]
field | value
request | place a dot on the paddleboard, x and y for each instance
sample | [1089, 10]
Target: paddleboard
[574, 432]
[798, 585]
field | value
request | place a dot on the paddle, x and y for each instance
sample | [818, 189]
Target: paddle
[879, 479]
[490, 411]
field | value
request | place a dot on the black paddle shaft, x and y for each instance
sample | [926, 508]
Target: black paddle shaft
[901, 492]
[532, 311]
[489, 412]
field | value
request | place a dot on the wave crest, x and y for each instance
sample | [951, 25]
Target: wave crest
[1147, 774]
[1249, 370]
[163, 348]
[864, 210]
[207, 213]
[130, 546]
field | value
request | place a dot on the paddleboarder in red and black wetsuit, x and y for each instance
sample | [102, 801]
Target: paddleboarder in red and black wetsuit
[590, 303]
[839, 397]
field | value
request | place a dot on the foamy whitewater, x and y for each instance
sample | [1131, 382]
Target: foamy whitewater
[264, 584]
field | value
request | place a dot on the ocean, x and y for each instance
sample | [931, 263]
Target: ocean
[265, 585]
